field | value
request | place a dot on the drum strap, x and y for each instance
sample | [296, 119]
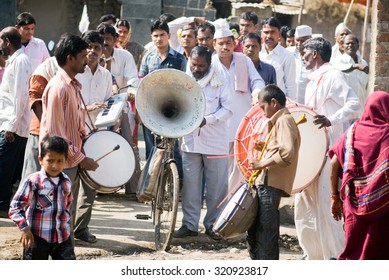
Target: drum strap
[87, 113]
[256, 173]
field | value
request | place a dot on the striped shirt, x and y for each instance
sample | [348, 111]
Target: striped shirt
[64, 115]
[44, 206]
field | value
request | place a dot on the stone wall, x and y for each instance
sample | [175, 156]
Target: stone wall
[7, 13]
[379, 56]
[141, 13]
[188, 8]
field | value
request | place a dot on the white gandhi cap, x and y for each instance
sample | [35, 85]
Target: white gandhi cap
[222, 33]
[303, 31]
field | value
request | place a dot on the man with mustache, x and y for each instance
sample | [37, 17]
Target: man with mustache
[281, 59]
[354, 68]
[124, 72]
[210, 139]
[239, 73]
[63, 111]
[96, 89]
[252, 47]
[327, 93]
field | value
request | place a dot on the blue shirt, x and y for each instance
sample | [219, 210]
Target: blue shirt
[152, 61]
[267, 72]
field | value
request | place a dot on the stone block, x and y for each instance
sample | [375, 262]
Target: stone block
[192, 4]
[175, 3]
[7, 13]
[176, 11]
[194, 13]
[141, 10]
[141, 30]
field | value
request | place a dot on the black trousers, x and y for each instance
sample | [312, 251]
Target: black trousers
[41, 250]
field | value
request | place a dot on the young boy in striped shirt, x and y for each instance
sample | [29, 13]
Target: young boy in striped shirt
[41, 206]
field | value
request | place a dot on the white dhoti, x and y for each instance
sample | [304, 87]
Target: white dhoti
[319, 235]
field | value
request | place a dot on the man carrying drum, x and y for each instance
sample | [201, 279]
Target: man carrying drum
[276, 170]
[63, 114]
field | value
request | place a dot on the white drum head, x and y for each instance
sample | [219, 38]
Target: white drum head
[116, 168]
[313, 149]
[230, 208]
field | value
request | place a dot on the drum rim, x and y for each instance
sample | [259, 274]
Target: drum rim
[232, 233]
[88, 179]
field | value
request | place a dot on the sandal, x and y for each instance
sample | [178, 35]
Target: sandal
[87, 237]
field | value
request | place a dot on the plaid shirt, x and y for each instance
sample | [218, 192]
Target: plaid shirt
[43, 206]
[152, 61]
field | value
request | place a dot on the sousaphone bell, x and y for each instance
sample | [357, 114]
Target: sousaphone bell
[170, 103]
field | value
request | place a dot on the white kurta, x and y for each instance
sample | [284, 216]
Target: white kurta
[285, 65]
[15, 112]
[301, 75]
[124, 69]
[241, 104]
[319, 235]
[36, 51]
[356, 79]
[211, 139]
[96, 88]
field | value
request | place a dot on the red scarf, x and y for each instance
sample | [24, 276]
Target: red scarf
[363, 152]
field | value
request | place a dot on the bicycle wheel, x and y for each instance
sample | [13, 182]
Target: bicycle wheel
[166, 207]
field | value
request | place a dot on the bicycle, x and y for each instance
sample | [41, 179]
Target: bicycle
[165, 204]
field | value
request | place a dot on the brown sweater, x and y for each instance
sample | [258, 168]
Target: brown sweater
[283, 147]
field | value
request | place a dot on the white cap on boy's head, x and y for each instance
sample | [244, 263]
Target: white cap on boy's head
[222, 33]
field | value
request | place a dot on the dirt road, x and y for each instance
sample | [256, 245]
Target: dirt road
[122, 236]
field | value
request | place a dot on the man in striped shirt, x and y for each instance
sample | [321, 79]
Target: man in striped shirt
[63, 111]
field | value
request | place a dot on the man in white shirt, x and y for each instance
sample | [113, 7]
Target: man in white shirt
[124, 72]
[354, 68]
[302, 33]
[210, 139]
[239, 73]
[15, 114]
[96, 88]
[34, 48]
[327, 93]
[281, 59]
[341, 31]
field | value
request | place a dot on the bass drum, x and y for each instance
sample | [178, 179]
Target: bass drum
[115, 169]
[238, 213]
[313, 147]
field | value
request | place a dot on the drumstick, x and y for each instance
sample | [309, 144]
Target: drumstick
[117, 147]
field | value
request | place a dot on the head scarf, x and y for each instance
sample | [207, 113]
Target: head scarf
[363, 152]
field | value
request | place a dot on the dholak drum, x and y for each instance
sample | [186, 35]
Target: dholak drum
[313, 147]
[115, 169]
[238, 214]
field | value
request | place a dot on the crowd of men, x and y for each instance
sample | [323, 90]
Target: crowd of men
[44, 96]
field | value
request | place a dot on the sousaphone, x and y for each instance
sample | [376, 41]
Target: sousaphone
[170, 103]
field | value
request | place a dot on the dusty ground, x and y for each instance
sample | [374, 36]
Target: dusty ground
[121, 236]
